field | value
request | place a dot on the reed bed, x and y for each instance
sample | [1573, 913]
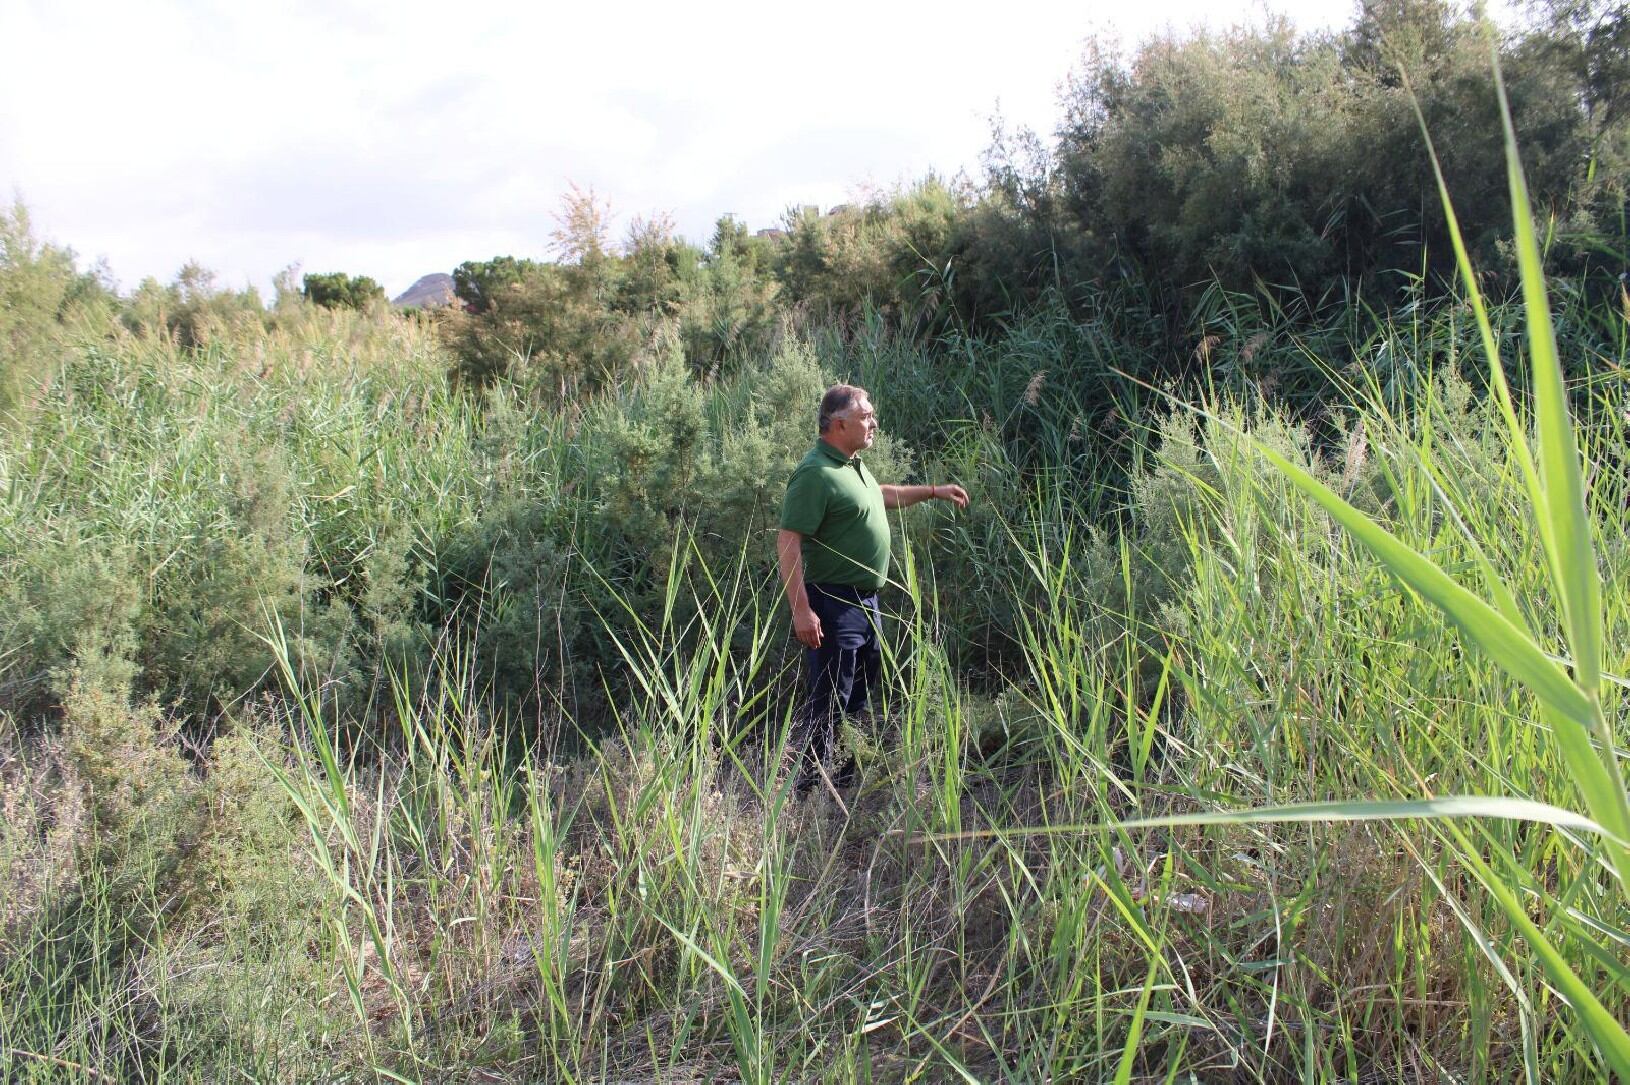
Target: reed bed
[450, 901]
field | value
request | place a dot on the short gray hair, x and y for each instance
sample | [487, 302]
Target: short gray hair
[838, 398]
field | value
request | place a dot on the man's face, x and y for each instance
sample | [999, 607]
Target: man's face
[856, 427]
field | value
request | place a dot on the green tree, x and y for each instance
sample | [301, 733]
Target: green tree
[729, 310]
[550, 327]
[657, 266]
[1260, 156]
[337, 290]
[480, 283]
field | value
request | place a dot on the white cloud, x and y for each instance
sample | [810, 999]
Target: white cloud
[394, 140]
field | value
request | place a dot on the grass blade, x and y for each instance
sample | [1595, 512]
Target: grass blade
[1448, 806]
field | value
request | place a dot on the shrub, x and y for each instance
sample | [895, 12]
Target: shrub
[1259, 154]
[728, 307]
[546, 327]
[193, 311]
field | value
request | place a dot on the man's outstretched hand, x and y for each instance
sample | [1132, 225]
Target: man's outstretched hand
[806, 626]
[953, 493]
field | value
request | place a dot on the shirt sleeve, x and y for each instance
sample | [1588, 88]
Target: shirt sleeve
[804, 506]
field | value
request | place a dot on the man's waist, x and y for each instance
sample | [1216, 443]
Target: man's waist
[851, 592]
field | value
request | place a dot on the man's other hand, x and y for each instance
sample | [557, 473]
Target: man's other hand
[952, 492]
[806, 625]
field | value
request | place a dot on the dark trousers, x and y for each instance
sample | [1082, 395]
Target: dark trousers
[843, 670]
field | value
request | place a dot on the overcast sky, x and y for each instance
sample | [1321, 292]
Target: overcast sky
[397, 139]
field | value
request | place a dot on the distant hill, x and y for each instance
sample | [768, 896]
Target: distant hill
[430, 292]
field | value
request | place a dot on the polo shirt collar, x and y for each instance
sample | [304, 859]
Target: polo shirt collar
[833, 454]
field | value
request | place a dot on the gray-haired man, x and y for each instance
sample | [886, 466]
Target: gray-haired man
[834, 557]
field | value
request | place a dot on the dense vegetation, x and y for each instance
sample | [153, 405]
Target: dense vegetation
[1282, 168]
[402, 694]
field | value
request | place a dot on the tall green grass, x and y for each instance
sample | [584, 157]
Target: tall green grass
[1571, 704]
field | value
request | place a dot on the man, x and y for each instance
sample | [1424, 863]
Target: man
[834, 556]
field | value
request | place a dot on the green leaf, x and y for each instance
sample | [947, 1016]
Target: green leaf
[1558, 504]
[1573, 561]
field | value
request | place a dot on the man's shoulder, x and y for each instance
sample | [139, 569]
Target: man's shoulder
[810, 476]
[814, 460]
[805, 469]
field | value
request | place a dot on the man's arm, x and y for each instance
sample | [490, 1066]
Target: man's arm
[806, 624]
[900, 497]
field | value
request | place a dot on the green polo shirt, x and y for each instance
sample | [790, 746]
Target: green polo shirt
[837, 506]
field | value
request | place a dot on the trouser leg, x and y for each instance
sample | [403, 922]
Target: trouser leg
[868, 668]
[841, 673]
[866, 624]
